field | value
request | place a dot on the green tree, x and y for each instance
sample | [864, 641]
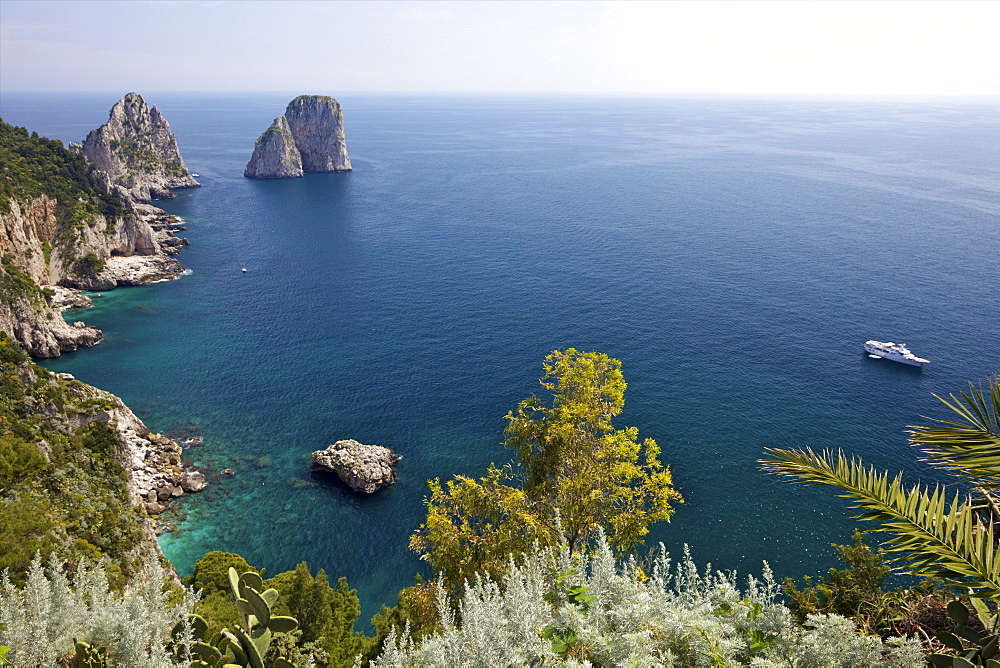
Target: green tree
[326, 615]
[574, 473]
[210, 577]
[931, 536]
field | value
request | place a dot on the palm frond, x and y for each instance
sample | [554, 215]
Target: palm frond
[931, 537]
[970, 447]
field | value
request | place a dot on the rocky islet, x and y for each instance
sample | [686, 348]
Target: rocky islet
[309, 137]
[363, 468]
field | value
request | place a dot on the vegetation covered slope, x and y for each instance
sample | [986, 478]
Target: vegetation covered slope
[62, 482]
[31, 166]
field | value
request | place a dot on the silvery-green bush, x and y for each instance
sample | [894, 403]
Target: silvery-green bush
[43, 617]
[558, 609]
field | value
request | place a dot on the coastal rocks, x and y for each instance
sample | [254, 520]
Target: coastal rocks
[38, 327]
[154, 461]
[275, 156]
[309, 137]
[138, 152]
[363, 468]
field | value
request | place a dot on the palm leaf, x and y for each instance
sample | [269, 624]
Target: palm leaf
[931, 537]
[970, 447]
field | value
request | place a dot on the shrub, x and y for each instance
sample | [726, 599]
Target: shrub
[40, 620]
[590, 610]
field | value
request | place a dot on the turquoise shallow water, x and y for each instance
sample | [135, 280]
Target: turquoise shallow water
[733, 254]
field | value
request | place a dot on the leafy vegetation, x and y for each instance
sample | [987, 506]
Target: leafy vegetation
[62, 489]
[557, 607]
[325, 615]
[954, 541]
[579, 474]
[43, 619]
[88, 266]
[31, 166]
[16, 285]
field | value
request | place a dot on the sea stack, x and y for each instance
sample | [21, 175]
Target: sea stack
[275, 156]
[138, 152]
[315, 125]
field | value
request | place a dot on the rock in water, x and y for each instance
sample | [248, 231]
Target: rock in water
[363, 468]
[138, 152]
[275, 156]
[317, 123]
[308, 138]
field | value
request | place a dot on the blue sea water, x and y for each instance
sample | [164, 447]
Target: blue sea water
[734, 254]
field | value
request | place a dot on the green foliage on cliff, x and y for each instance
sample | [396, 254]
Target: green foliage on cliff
[31, 166]
[144, 160]
[15, 285]
[88, 266]
[62, 484]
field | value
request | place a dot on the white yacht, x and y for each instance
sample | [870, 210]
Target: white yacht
[897, 352]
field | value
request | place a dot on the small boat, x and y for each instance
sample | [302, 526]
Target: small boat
[897, 352]
[243, 269]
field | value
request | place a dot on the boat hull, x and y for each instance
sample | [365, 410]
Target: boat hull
[882, 353]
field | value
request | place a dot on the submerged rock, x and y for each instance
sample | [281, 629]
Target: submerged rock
[275, 156]
[363, 468]
[309, 137]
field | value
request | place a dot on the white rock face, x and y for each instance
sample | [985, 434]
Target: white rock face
[317, 123]
[363, 468]
[308, 138]
[138, 152]
[275, 156]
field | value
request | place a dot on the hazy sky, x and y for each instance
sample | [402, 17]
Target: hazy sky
[800, 47]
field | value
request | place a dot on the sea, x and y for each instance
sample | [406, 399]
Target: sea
[734, 254]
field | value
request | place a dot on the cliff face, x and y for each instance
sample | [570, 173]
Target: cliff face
[275, 156]
[138, 152]
[48, 249]
[27, 315]
[61, 225]
[313, 125]
[317, 123]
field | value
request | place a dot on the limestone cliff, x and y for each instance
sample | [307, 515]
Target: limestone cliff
[313, 125]
[275, 156]
[317, 123]
[60, 226]
[138, 152]
[27, 315]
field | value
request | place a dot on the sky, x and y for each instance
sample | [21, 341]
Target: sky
[802, 47]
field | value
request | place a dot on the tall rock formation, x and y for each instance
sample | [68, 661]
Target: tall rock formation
[315, 125]
[275, 156]
[138, 152]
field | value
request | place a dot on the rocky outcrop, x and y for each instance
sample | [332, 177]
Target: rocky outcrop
[317, 123]
[363, 468]
[138, 152]
[313, 125]
[39, 327]
[275, 156]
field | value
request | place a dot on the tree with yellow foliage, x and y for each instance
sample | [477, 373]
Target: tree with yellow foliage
[574, 473]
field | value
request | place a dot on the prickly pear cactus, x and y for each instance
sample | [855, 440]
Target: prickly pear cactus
[244, 645]
[91, 656]
[972, 647]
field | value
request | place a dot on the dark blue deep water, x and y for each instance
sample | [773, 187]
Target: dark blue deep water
[734, 254]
